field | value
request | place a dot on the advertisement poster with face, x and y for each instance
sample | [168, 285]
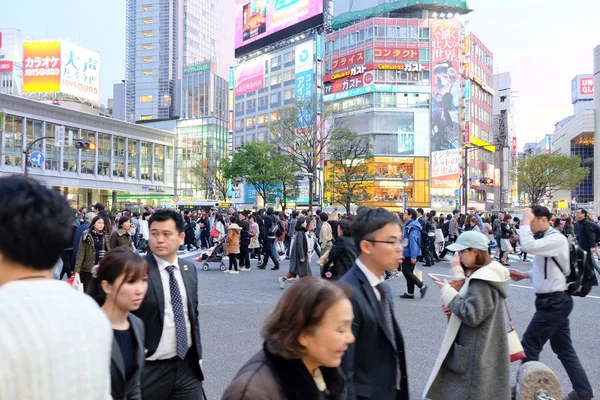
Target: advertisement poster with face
[445, 96]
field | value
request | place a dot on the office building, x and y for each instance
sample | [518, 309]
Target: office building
[11, 62]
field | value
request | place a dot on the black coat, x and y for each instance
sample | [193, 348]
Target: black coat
[267, 376]
[342, 255]
[587, 234]
[369, 364]
[121, 388]
[152, 310]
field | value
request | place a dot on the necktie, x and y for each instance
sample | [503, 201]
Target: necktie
[178, 314]
[386, 309]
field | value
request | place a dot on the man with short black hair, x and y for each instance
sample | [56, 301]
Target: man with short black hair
[99, 207]
[412, 251]
[375, 364]
[553, 304]
[270, 251]
[39, 316]
[169, 310]
[244, 242]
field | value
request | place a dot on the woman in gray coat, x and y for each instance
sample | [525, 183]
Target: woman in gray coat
[299, 261]
[474, 360]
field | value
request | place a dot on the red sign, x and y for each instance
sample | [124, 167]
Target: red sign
[586, 86]
[513, 143]
[467, 132]
[408, 67]
[399, 54]
[6, 66]
[348, 61]
[341, 85]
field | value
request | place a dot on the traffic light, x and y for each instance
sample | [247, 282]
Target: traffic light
[84, 145]
[486, 181]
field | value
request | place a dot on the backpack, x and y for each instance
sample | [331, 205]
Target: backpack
[582, 276]
[446, 228]
[280, 229]
[274, 227]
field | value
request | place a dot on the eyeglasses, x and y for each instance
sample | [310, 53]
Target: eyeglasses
[397, 244]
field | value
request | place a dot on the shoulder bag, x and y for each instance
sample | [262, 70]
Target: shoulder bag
[515, 349]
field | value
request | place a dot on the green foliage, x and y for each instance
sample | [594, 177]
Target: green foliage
[542, 175]
[348, 172]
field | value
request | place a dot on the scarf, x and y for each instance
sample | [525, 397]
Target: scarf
[99, 245]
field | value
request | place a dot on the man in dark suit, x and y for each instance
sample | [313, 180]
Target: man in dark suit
[170, 313]
[375, 364]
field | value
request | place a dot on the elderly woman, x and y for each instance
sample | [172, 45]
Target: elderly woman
[474, 359]
[306, 336]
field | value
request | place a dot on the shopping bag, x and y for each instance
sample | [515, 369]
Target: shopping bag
[515, 349]
[75, 282]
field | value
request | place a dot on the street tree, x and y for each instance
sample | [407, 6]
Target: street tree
[211, 177]
[348, 172]
[284, 167]
[256, 163]
[303, 130]
[542, 175]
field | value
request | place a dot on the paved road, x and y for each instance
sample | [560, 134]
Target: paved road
[233, 307]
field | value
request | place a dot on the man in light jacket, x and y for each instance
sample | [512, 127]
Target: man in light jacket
[412, 233]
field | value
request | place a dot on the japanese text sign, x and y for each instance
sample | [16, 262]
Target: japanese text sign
[41, 66]
[399, 54]
[348, 61]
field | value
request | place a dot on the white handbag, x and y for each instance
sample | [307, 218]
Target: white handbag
[515, 349]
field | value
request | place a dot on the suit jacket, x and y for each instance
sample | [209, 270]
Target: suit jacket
[121, 388]
[370, 363]
[152, 310]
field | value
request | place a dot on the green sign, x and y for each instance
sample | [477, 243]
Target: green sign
[196, 68]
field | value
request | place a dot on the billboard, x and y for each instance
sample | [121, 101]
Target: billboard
[249, 76]
[257, 19]
[395, 54]
[446, 92]
[582, 88]
[11, 46]
[58, 66]
[305, 82]
[6, 66]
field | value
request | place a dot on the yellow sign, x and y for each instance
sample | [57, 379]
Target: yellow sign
[224, 204]
[482, 143]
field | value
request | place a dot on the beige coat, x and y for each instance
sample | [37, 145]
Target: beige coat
[232, 240]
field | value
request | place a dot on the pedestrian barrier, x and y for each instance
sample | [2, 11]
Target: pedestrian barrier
[536, 381]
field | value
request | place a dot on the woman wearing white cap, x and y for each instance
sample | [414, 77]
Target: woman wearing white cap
[474, 360]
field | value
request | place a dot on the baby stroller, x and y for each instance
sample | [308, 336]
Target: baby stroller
[214, 254]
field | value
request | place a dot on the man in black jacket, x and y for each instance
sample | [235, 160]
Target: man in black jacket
[586, 235]
[375, 364]
[269, 241]
[244, 242]
[170, 313]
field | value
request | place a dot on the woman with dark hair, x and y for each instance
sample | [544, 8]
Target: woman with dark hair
[109, 222]
[343, 253]
[305, 336]
[474, 360]
[92, 248]
[505, 244]
[254, 234]
[121, 237]
[190, 233]
[299, 261]
[569, 230]
[119, 284]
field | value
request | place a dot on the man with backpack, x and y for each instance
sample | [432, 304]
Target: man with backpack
[271, 227]
[553, 303]
[587, 234]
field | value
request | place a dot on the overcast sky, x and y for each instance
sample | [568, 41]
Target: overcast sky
[543, 43]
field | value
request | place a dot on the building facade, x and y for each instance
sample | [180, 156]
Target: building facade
[163, 38]
[505, 139]
[11, 62]
[131, 164]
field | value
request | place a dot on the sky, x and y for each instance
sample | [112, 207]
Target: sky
[542, 43]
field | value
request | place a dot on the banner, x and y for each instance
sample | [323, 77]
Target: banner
[250, 76]
[41, 66]
[445, 98]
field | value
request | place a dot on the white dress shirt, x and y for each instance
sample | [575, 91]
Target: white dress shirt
[553, 244]
[371, 277]
[167, 346]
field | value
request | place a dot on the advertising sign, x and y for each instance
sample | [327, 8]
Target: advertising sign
[41, 66]
[586, 86]
[11, 46]
[548, 144]
[406, 143]
[582, 88]
[467, 89]
[304, 76]
[196, 68]
[374, 87]
[348, 60]
[80, 75]
[250, 76]
[256, 19]
[6, 66]
[446, 92]
[445, 169]
[395, 53]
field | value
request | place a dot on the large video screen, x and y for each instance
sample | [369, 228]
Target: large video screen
[258, 19]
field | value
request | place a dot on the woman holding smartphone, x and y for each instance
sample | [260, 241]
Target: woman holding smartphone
[474, 360]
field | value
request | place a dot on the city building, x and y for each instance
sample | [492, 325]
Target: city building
[165, 37]
[597, 127]
[11, 62]
[130, 165]
[395, 73]
[278, 55]
[505, 139]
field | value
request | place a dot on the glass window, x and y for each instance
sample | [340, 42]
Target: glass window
[274, 116]
[70, 152]
[103, 148]
[147, 7]
[87, 157]
[132, 158]
[239, 107]
[146, 160]
[250, 122]
[275, 98]
[275, 61]
[239, 124]
[263, 119]
[34, 130]
[288, 94]
[250, 104]
[147, 72]
[147, 46]
[275, 79]
[119, 157]
[423, 54]
[159, 161]
[52, 152]
[147, 59]
[147, 21]
[262, 101]
[146, 117]
[147, 33]
[14, 140]
[146, 98]
[288, 76]
[288, 57]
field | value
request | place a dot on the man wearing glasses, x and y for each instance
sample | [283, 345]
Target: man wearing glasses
[412, 250]
[375, 364]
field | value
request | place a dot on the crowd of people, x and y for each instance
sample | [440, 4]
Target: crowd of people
[137, 327]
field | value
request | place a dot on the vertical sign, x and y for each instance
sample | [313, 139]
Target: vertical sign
[548, 144]
[319, 41]
[59, 136]
[446, 92]
[304, 78]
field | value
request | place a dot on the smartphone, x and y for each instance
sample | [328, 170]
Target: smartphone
[435, 278]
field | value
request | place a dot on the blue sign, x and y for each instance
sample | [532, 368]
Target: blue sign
[319, 40]
[37, 158]
[374, 87]
[304, 91]
[467, 89]
[231, 78]
[457, 192]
